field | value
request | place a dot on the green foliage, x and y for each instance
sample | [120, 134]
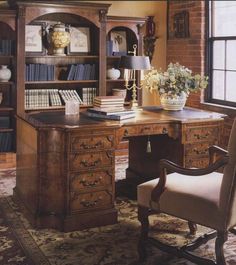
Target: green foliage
[176, 80]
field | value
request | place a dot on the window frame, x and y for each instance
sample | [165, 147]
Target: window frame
[209, 57]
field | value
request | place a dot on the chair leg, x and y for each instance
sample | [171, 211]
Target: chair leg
[192, 227]
[143, 219]
[219, 244]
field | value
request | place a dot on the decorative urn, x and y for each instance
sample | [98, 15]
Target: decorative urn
[59, 38]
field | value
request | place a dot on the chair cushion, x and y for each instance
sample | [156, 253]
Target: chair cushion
[194, 198]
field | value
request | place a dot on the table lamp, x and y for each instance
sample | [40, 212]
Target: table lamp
[134, 63]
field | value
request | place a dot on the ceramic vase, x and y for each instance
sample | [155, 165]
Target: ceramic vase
[113, 73]
[173, 102]
[5, 73]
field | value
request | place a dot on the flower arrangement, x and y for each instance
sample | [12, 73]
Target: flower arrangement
[176, 80]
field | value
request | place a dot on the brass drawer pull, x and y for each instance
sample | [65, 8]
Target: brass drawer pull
[200, 136]
[95, 146]
[89, 204]
[146, 129]
[92, 183]
[164, 130]
[126, 132]
[92, 164]
[200, 152]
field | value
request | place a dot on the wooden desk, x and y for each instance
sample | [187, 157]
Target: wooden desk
[65, 164]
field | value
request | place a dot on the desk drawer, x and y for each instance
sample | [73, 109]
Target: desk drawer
[87, 161]
[197, 162]
[197, 134]
[90, 180]
[90, 201]
[197, 149]
[150, 129]
[91, 143]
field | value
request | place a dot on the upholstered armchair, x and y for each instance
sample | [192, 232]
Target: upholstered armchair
[200, 196]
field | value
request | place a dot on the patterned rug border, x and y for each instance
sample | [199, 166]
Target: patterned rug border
[30, 248]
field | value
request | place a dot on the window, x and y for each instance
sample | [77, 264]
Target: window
[222, 52]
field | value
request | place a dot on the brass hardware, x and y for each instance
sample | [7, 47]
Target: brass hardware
[200, 152]
[164, 130]
[95, 146]
[89, 204]
[200, 137]
[92, 183]
[126, 132]
[92, 164]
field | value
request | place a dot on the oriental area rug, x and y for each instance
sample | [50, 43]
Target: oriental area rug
[21, 244]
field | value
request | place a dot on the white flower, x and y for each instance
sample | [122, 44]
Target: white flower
[177, 79]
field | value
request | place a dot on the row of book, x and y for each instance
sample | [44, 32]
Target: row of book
[39, 72]
[81, 72]
[46, 98]
[88, 95]
[4, 122]
[111, 108]
[6, 47]
[5, 141]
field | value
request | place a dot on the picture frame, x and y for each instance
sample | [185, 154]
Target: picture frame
[181, 25]
[119, 41]
[34, 35]
[80, 41]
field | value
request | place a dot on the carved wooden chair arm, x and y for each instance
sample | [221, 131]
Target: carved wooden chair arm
[215, 150]
[165, 165]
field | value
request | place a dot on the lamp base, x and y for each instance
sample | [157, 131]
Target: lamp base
[133, 104]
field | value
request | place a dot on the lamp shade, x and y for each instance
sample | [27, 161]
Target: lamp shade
[135, 62]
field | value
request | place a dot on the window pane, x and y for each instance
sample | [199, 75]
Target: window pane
[218, 84]
[224, 16]
[219, 55]
[231, 86]
[231, 55]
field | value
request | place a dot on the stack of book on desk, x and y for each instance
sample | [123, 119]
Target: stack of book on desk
[109, 102]
[110, 107]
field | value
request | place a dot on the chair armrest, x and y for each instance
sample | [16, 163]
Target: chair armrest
[215, 150]
[165, 165]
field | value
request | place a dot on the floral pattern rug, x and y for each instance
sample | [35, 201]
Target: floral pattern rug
[108, 245]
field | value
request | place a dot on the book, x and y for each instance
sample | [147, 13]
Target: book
[110, 111]
[109, 99]
[118, 117]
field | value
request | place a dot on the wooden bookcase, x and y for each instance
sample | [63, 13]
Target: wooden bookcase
[8, 89]
[93, 16]
[85, 15]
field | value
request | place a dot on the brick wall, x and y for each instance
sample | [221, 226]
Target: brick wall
[188, 51]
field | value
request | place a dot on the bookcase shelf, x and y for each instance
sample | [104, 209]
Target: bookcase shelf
[7, 83]
[4, 109]
[6, 130]
[62, 82]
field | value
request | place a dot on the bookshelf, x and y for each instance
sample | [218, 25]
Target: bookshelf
[15, 23]
[77, 69]
[130, 29]
[7, 88]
